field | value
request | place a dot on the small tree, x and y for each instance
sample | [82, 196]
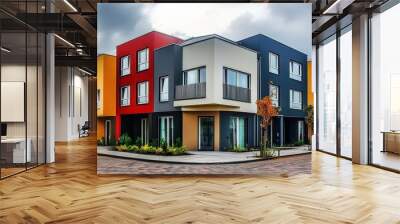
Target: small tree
[310, 121]
[267, 111]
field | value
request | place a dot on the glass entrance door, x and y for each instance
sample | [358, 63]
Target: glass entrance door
[144, 131]
[166, 130]
[206, 133]
[238, 132]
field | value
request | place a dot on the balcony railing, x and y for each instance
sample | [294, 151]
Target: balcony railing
[191, 91]
[237, 93]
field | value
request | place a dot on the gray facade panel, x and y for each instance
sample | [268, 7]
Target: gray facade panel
[167, 62]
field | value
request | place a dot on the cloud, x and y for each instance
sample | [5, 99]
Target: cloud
[118, 23]
[287, 23]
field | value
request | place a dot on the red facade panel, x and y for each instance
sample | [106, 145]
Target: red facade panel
[152, 41]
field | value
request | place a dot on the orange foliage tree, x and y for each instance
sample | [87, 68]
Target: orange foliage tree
[266, 110]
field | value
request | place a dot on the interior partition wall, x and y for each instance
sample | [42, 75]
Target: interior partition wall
[385, 89]
[334, 96]
[22, 101]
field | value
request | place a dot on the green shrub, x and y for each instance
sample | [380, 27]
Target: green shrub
[239, 149]
[298, 143]
[148, 149]
[122, 148]
[180, 150]
[101, 142]
[164, 145]
[124, 139]
[133, 148]
[158, 151]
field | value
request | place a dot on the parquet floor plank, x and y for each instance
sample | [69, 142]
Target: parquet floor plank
[70, 191]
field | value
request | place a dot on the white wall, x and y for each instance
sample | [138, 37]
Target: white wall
[71, 102]
[216, 54]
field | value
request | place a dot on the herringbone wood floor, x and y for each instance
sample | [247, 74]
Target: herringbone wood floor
[69, 191]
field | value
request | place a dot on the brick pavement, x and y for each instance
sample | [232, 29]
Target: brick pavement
[286, 166]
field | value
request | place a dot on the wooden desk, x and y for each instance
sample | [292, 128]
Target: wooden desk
[391, 142]
[13, 150]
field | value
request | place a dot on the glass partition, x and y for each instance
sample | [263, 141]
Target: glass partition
[13, 92]
[22, 101]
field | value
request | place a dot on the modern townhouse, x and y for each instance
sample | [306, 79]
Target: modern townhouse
[135, 85]
[283, 77]
[216, 92]
[205, 93]
[106, 97]
[203, 90]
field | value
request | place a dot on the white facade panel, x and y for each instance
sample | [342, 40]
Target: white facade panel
[215, 55]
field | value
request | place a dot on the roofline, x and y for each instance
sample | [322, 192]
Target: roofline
[156, 49]
[153, 31]
[216, 36]
[260, 34]
[104, 54]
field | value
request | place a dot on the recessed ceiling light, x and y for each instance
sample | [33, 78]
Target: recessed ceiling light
[84, 71]
[70, 5]
[5, 50]
[64, 40]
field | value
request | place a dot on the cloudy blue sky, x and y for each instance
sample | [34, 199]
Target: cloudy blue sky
[287, 23]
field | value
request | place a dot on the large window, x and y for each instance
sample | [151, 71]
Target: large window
[238, 130]
[273, 63]
[385, 89]
[327, 95]
[194, 76]
[295, 70]
[143, 92]
[296, 99]
[143, 59]
[274, 94]
[125, 96]
[164, 89]
[346, 93]
[236, 78]
[125, 65]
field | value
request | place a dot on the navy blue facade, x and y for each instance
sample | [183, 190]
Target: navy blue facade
[226, 134]
[264, 45]
[284, 130]
[167, 62]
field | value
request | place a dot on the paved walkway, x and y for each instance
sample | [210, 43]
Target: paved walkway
[285, 166]
[198, 157]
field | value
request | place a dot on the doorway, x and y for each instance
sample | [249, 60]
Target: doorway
[206, 133]
[166, 130]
